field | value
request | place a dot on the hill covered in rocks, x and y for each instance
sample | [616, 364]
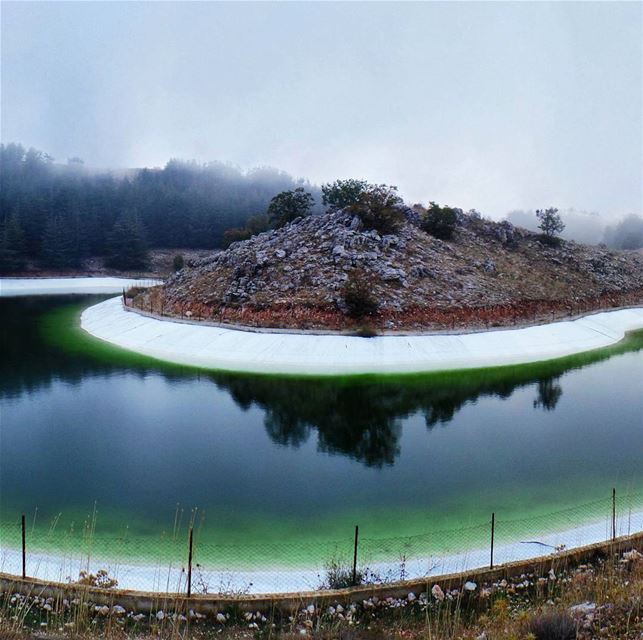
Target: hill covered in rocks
[332, 271]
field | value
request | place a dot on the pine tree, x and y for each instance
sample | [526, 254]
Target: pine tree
[126, 245]
[59, 246]
[550, 222]
[12, 245]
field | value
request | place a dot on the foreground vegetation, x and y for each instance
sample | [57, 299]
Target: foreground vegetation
[598, 599]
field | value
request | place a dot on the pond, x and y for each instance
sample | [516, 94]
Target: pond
[90, 431]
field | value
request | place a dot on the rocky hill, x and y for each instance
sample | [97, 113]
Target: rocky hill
[489, 274]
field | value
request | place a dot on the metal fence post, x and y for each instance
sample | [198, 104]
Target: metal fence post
[190, 564]
[613, 514]
[24, 548]
[493, 531]
[355, 555]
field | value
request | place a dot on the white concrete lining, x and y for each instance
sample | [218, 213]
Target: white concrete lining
[215, 347]
[12, 287]
[156, 576]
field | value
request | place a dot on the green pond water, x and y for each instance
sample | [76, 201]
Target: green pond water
[91, 432]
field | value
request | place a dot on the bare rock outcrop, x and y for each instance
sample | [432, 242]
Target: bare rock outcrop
[490, 272]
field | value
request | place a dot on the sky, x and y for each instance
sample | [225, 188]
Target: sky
[488, 105]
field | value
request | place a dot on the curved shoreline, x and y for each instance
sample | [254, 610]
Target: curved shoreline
[221, 348]
[288, 579]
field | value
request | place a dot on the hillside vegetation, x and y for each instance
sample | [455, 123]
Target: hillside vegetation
[335, 271]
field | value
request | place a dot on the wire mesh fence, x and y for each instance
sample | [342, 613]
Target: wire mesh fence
[162, 564]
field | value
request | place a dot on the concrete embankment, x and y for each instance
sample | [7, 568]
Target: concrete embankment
[145, 602]
[216, 347]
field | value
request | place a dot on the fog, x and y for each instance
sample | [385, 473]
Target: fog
[493, 106]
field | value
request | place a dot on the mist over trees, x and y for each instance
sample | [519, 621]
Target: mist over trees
[59, 214]
[55, 215]
[627, 234]
[589, 228]
[581, 226]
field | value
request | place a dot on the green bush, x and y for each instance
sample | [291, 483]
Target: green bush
[255, 225]
[289, 205]
[440, 222]
[342, 193]
[178, 262]
[379, 208]
[358, 297]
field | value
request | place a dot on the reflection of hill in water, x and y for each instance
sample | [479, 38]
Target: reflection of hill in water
[363, 420]
[359, 417]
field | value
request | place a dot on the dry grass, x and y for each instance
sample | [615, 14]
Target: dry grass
[597, 600]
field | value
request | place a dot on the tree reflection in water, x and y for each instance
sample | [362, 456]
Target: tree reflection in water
[549, 393]
[360, 417]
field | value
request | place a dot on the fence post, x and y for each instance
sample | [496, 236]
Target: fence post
[613, 514]
[493, 532]
[24, 548]
[190, 564]
[355, 555]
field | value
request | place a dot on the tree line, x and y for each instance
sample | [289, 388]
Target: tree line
[58, 214]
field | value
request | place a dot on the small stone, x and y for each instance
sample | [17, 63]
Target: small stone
[411, 597]
[160, 615]
[221, 618]
[310, 609]
[437, 592]
[117, 610]
[582, 608]
[470, 586]
[633, 555]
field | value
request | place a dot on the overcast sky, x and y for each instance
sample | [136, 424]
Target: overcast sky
[489, 105]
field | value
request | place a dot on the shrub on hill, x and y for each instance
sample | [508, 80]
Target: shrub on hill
[551, 224]
[178, 262]
[440, 222]
[379, 207]
[289, 205]
[358, 296]
[256, 224]
[342, 193]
